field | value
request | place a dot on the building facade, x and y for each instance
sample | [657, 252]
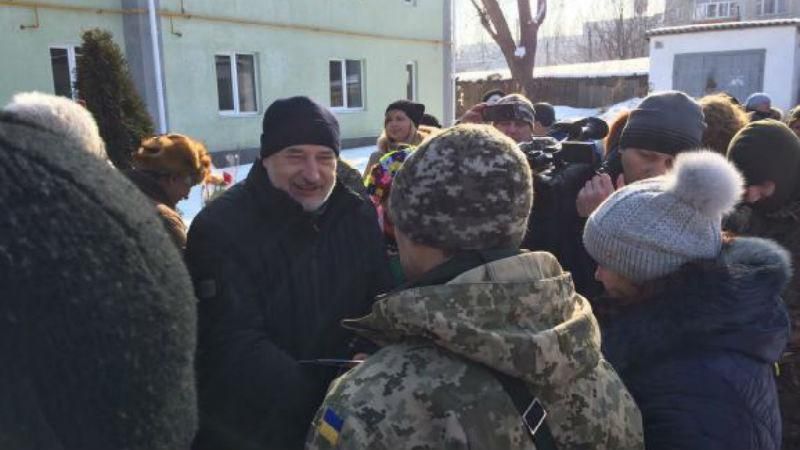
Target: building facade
[687, 12]
[739, 58]
[216, 65]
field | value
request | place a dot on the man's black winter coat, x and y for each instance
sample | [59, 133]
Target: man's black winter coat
[273, 283]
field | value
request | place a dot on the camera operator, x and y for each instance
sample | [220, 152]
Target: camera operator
[560, 170]
[554, 225]
[512, 115]
[662, 126]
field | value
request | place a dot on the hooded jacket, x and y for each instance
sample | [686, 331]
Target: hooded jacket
[783, 226]
[430, 387]
[698, 355]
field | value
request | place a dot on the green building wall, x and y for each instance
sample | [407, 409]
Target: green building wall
[26, 52]
[293, 41]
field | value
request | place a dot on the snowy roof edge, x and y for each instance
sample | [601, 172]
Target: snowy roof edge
[683, 29]
[600, 69]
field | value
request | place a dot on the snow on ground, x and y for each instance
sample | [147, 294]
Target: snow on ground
[606, 113]
[358, 157]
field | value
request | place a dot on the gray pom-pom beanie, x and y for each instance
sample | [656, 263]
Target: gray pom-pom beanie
[651, 228]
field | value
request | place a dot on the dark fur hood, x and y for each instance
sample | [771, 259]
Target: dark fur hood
[732, 303]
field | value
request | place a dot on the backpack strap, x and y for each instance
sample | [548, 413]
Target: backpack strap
[530, 410]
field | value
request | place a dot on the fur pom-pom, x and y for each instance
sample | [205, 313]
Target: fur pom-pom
[61, 116]
[707, 181]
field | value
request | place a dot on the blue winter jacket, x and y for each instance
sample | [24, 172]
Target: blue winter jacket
[698, 356]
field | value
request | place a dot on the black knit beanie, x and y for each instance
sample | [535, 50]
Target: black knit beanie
[768, 150]
[414, 111]
[298, 121]
[667, 122]
[545, 113]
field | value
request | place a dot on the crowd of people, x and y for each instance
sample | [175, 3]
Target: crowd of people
[510, 282]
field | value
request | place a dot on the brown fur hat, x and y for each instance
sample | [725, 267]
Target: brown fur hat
[173, 154]
[723, 119]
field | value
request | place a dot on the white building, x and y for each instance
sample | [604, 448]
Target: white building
[735, 57]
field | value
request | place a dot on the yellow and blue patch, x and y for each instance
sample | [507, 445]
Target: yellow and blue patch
[330, 426]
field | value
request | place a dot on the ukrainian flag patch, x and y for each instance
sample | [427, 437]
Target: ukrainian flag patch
[330, 426]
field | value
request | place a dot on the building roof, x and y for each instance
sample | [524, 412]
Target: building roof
[684, 29]
[624, 67]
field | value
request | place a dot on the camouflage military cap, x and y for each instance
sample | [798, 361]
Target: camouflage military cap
[469, 187]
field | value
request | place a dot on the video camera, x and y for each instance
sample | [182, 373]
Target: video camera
[545, 153]
[585, 129]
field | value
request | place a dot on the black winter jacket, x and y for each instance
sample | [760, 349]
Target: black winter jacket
[273, 283]
[554, 225]
[97, 313]
[698, 356]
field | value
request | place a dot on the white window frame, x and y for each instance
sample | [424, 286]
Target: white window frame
[235, 112]
[701, 9]
[72, 65]
[414, 75]
[345, 108]
[780, 8]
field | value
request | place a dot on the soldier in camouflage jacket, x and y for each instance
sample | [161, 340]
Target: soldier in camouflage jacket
[485, 312]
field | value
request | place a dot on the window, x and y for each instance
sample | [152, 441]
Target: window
[346, 84]
[411, 81]
[63, 62]
[236, 83]
[710, 9]
[768, 7]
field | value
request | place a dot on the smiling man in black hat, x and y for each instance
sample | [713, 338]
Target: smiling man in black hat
[277, 262]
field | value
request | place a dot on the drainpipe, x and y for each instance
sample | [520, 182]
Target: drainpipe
[449, 76]
[162, 116]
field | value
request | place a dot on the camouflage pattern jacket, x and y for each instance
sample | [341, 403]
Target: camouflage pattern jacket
[429, 387]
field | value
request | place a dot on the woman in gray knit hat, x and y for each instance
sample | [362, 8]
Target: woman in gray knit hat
[693, 321]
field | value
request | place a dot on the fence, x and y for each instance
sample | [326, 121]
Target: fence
[576, 92]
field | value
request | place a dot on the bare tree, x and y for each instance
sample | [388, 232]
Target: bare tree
[520, 56]
[622, 37]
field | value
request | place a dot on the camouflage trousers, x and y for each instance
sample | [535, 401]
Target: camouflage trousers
[788, 382]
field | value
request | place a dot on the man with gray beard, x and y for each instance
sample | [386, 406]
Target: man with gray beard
[277, 262]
